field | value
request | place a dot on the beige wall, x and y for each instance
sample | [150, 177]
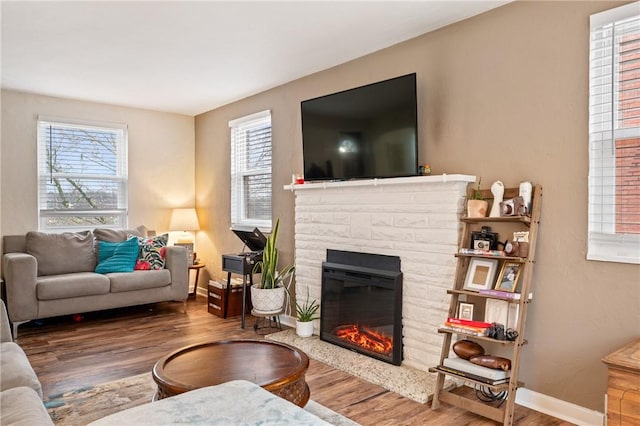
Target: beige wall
[161, 158]
[503, 96]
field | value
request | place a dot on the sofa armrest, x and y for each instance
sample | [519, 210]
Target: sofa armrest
[176, 263]
[20, 275]
[5, 327]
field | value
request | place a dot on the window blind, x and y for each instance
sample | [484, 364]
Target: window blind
[614, 135]
[251, 171]
[82, 175]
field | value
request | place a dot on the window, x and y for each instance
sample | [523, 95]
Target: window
[614, 135]
[251, 171]
[82, 175]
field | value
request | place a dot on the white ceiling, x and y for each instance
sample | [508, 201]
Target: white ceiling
[191, 57]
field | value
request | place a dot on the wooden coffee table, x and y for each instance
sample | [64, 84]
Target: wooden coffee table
[274, 366]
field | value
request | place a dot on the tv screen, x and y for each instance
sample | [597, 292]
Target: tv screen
[366, 132]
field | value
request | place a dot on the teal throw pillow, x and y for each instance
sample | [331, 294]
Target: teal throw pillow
[117, 257]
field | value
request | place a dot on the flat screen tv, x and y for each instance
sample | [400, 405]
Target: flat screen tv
[366, 132]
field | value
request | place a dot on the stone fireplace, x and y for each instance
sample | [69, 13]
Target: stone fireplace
[414, 218]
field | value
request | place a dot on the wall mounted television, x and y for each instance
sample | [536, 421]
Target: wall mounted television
[362, 133]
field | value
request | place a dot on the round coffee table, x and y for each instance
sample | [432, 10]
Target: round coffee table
[276, 367]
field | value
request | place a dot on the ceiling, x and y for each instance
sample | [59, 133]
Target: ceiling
[191, 57]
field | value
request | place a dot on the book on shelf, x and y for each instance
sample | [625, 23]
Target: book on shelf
[465, 329]
[477, 252]
[503, 294]
[471, 376]
[470, 323]
[495, 376]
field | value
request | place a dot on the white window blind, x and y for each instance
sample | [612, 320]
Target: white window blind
[614, 135]
[82, 175]
[251, 171]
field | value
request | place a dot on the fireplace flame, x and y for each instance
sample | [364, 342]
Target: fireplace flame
[366, 338]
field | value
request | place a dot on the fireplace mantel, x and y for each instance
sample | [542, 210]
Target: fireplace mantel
[415, 218]
[444, 178]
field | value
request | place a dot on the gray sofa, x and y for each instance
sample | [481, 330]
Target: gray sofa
[20, 389]
[48, 275]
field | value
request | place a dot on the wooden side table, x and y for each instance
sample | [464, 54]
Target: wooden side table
[623, 390]
[196, 268]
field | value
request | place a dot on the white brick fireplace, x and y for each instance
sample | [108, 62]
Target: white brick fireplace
[415, 218]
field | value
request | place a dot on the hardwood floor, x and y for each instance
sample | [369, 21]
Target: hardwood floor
[115, 344]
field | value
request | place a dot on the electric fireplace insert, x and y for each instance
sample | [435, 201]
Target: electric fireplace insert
[361, 305]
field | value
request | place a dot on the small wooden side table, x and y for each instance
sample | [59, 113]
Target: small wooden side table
[196, 268]
[623, 390]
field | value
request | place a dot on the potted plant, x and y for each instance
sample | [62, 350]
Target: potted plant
[305, 314]
[269, 294]
[477, 206]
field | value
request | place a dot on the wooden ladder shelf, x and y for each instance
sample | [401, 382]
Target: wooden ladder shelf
[503, 412]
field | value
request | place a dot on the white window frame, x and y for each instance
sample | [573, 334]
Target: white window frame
[604, 244]
[120, 213]
[239, 170]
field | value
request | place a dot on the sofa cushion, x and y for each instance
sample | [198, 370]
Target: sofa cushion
[22, 407]
[152, 252]
[62, 253]
[117, 257]
[14, 244]
[65, 286]
[15, 369]
[118, 235]
[139, 280]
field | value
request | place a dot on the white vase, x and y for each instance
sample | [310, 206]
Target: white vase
[267, 299]
[304, 329]
[497, 189]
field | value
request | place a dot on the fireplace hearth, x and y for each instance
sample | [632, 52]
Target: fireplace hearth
[361, 305]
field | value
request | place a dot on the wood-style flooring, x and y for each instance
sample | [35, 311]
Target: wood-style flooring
[115, 344]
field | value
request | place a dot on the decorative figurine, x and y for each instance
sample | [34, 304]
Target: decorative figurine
[526, 188]
[424, 170]
[497, 189]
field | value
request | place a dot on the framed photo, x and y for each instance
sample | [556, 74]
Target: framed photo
[509, 274]
[480, 274]
[501, 312]
[465, 311]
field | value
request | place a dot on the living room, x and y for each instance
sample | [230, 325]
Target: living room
[503, 95]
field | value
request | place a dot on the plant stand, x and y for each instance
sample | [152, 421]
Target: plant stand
[267, 322]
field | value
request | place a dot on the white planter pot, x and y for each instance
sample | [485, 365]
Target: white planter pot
[304, 329]
[477, 208]
[267, 300]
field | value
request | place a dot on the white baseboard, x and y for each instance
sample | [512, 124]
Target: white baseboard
[558, 408]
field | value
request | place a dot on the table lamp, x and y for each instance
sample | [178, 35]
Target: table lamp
[184, 220]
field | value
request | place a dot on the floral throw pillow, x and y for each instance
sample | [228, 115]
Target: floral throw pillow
[152, 252]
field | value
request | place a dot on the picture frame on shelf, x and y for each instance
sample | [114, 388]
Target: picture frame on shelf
[509, 275]
[501, 312]
[465, 311]
[480, 274]
[496, 311]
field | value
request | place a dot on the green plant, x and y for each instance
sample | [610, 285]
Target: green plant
[477, 195]
[268, 266]
[307, 311]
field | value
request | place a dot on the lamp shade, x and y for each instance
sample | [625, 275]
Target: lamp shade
[184, 220]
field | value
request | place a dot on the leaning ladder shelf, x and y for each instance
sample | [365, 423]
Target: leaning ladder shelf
[503, 413]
